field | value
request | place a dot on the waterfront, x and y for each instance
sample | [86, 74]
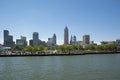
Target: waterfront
[80, 67]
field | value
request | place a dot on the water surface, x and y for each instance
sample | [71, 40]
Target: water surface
[80, 67]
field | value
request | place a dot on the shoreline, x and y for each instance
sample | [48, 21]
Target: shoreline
[60, 54]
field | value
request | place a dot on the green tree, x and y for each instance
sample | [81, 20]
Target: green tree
[41, 48]
[16, 47]
[52, 48]
[28, 49]
[45, 48]
[80, 47]
[99, 47]
[90, 47]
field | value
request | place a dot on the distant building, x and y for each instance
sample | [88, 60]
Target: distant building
[66, 36]
[86, 39]
[108, 42]
[8, 39]
[31, 42]
[118, 42]
[21, 42]
[52, 41]
[73, 40]
[35, 39]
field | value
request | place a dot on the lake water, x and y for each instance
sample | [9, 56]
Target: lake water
[80, 67]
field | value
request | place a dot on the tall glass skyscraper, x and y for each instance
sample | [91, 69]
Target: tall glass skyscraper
[35, 38]
[8, 39]
[54, 39]
[66, 36]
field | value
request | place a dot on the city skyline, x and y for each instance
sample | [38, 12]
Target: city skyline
[99, 19]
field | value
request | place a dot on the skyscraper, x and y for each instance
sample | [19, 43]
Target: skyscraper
[6, 34]
[35, 38]
[86, 39]
[8, 39]
[66, 36]
[73, 39]
[54, 39]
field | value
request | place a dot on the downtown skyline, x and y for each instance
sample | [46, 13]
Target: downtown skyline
[99, 19]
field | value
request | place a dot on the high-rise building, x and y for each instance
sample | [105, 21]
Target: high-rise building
[86, 39]
[31, 42]
[118, 44]
[6, 34]
[36, 41]
[22, 41]
[54, 39]
[8, 39]
[66, 36]
[35, 38]
[73, 40]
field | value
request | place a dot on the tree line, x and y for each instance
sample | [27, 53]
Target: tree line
[66, 48]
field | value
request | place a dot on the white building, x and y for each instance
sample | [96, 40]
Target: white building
[51, 41]
[118, 43]
[21, 42]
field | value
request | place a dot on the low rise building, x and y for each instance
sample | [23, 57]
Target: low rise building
[21, 42]
[107, 42]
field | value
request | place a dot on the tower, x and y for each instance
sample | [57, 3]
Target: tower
[66, 36]
[35, 38]
[8, 39]
[86, 39]
[54, 39]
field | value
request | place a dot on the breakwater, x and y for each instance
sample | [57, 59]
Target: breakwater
[57, 54]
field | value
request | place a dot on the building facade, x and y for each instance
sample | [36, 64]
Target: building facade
[73, 40]
[21, 42]
[52, 41]
[107, 42]
[35, 39]
[86, 39]
[8, 39]
[66, 36]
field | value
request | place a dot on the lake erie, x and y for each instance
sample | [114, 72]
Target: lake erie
[76, 67]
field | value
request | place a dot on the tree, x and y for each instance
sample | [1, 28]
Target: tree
[90, 47]
[28, 49]
[52, 48]
[16, 47]
[80, 47]
[99, 47]
[41, 48]
[110, 47]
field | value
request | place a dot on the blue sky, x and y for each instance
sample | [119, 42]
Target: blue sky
[98, 18]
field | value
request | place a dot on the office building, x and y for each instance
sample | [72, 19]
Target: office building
[31, 42]
[86, 39]
[66, 36]
[36, 41]
[21, 42]
[108, 42]
[52, 41]
[8, 39]
[35, 38]
[73, 40]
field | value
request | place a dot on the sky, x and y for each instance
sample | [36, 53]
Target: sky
[98, 18]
